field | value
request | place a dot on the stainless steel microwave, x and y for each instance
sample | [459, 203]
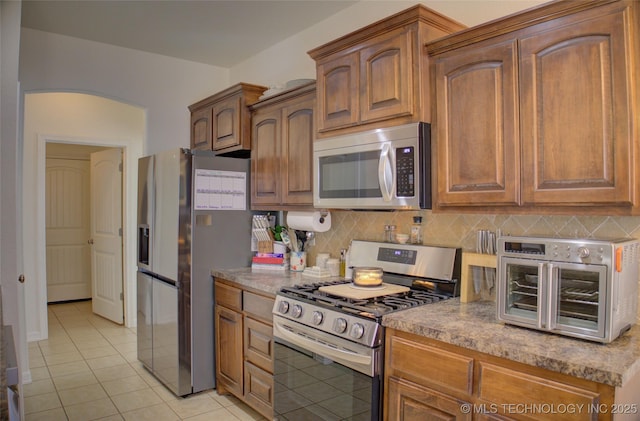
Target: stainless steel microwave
[584, 288]
[379, 169]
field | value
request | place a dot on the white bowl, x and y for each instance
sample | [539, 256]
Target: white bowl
[402, 238]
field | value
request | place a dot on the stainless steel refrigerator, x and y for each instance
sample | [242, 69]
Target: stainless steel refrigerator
[193, 215]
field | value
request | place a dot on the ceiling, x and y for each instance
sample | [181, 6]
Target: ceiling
[215, 32]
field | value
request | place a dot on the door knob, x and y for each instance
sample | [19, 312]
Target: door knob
[21, 278]
[90, 241]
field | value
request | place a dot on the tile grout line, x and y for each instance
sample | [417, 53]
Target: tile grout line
[59, 318]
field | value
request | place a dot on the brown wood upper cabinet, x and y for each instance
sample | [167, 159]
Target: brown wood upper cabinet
[221, 122]
[376, 73]
[542, 116]
[283, 129]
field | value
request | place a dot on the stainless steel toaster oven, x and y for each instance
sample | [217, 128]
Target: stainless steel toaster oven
[583, 288]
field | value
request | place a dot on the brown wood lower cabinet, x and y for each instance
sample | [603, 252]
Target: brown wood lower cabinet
[244, 345]
[427, 379]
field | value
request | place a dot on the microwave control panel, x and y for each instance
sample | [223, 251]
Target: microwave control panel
[405, 171]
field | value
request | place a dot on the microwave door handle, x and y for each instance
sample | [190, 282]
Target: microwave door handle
[385, 173]
[542, 295]
[553, 294]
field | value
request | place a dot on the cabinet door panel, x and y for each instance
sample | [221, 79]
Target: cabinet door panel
[259, 389]
[477, 127]
[337, 92]
[229, 362]
[201, 129]
[575, 114]
[258, 343]
[410, 402]
[386, 87]
[226, 123]
[265, 159]
[297, 163]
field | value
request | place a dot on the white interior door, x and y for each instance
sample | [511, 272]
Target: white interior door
[106, 234]
[67, 224]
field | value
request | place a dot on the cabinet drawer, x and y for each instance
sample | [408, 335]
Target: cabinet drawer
[258, 306]
[411, 402]
[504, 386]
[258, 389]
[258, 343]
[415, 361]
[228, 296]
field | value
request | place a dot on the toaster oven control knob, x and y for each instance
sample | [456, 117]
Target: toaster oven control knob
[317, 317]
[283, 307]
[340, 325]
[357, 331]
[296, 311]
[583, 252]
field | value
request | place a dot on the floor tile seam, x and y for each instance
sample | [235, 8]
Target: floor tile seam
[153, 391]
[157, 404]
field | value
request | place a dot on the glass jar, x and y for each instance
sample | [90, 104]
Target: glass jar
[416, 230]
[367, 276]
[390, 233]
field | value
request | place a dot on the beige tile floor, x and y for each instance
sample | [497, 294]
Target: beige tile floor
[88, 370]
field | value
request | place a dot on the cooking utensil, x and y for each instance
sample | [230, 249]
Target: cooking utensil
[285, 239]
[477, 270]
[293, 239]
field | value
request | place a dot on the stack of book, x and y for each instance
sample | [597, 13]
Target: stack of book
[270, 261]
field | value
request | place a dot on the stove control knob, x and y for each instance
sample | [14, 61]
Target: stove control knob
[283, 307]
[317, 317]
[340, 325]
[583, 252]
[296, 311]
[357, 331]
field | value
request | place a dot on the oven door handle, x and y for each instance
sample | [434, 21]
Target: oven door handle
[340, 356]
[553, 294]
[386, 173]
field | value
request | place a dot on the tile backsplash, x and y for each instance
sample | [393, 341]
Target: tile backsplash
[459, 230]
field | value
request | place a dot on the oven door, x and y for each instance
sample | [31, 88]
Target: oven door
[565, 298]
[323, 377]
[578, 304]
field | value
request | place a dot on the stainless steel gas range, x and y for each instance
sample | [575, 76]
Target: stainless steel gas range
[329, 339]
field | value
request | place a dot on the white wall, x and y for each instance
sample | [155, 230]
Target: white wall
[13, 312]
[164, 86]
[161, 86]
[85, 119]
[289, 60]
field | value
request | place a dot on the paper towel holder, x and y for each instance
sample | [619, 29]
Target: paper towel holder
[323, 214]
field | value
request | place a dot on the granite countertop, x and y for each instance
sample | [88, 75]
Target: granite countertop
[475, 326]
[270, 281]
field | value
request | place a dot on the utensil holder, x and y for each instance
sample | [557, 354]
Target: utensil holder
[298, 261]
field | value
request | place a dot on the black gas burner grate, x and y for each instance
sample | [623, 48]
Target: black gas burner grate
[372, 308]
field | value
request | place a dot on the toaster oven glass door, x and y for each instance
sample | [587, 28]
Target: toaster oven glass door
[561, 297]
